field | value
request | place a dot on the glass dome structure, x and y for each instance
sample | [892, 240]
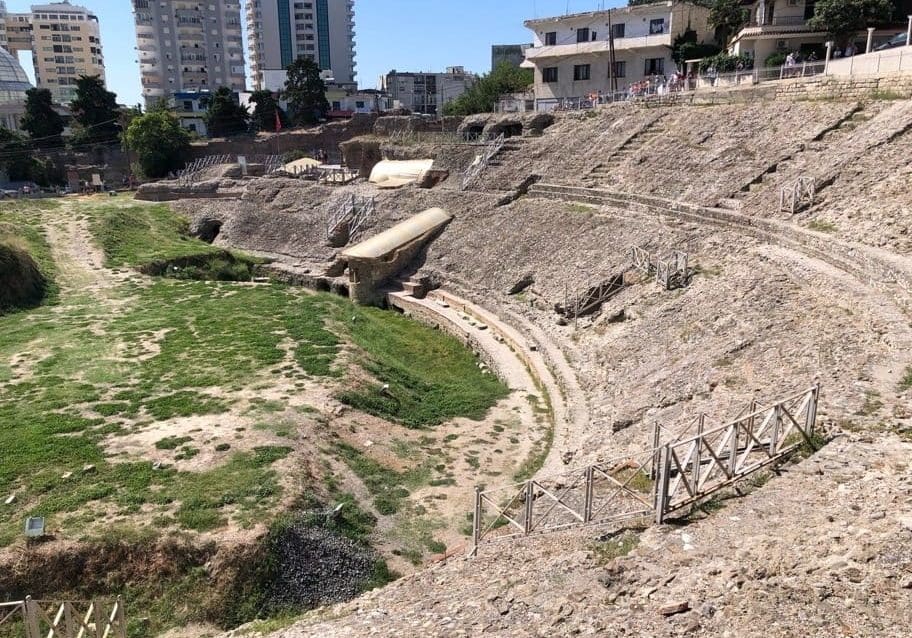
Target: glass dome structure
[13, 80]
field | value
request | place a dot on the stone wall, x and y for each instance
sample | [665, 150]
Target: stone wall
[841, 88]
[326, 137]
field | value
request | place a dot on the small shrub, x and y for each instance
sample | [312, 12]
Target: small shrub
[172, 442]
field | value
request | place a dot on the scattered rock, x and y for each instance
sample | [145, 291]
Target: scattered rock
[670, 609]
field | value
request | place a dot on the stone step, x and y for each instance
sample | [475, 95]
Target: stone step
[730, 203]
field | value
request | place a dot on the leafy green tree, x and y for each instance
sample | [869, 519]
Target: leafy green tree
[727, 17]
[16, 158]
[225, 116]
[43, 124]
[842, 19]
[158, 141]
[305, 91]
[95, 112]
[483, 95]
[685, 47]
[264, 113]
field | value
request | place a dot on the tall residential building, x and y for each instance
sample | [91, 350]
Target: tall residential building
[3, 42]
[281, 31]
[188, 46]
[65, 42]
[426, 92]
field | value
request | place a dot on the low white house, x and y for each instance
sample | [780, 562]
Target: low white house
[781, 26]
[571, 54]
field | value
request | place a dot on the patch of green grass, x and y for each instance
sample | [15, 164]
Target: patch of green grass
[172, 442]
[141, 236]
[872, 404]
[432, 377]
[183, 404]
[822, 226]
[388, 487]
[906, 382]
[615, 547]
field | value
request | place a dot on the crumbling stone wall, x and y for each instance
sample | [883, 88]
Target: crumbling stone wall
[839, 88]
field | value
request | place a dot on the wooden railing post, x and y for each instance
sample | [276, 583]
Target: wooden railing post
[810, 419]
[662, 483]
[32, 630]
[530, 495]
[776, 429]
[476, 522]
[587, 505]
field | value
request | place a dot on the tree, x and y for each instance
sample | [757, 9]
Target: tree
[95, 112]
[225, 116]
[306, 92]
[483, 95]
[16, 158]
[685, 47]
[727, 17]
[264, 113]
[158, 141]
[842, 19]
[43, 124]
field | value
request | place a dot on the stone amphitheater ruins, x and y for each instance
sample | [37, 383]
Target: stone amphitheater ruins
[776, 301]
[639, 279]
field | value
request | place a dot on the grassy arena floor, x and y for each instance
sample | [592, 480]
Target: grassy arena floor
[105, 362]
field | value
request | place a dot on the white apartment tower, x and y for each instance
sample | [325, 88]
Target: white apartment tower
[65, 42]
[281, 31]
[188, 46]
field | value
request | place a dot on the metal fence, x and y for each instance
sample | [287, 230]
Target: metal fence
[68, 619]
[674, 89]
[352, 212]
[670, 273]
[793, 197]
[655, 482]
[481, 163]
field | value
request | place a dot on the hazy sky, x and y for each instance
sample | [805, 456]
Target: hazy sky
[408, 35]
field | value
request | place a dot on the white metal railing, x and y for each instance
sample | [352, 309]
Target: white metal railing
[481, 163]
[189, 175]
[353, 211]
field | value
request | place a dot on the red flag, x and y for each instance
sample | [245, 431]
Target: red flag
[278, 126]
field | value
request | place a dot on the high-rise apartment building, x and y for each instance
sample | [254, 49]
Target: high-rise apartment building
[188, 46]
[3, 42]
[65, 42]
[281, 31]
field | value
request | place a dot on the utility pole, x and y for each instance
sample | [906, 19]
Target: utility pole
[612, 79]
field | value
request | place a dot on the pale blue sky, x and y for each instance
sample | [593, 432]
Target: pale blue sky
[412, 35]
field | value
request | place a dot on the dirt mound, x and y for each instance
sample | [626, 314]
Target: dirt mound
[21, 283]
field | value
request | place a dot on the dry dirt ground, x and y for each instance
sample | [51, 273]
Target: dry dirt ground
[821, 550]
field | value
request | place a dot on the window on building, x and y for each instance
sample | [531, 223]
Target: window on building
[655, 66]
[582, 35]
[581, 72]
[551, 38]
[549, 74]
[617, 30]
[657, 26]
[620, 69]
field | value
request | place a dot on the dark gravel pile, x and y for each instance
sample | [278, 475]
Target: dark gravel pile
[318, 566]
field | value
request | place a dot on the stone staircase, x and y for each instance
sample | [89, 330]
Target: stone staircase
[771, 177]
[511, 146]
[626, 151]
[414, 286]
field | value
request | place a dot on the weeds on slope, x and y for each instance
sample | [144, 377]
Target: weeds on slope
[431, 377]
[157, 241]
